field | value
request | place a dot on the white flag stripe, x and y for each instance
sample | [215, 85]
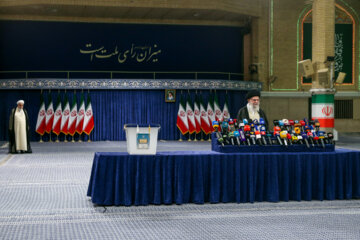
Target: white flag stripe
[190, 113]
[41, 115]
[57, 115]
[65, 115]
[49, 113]
[86, 116]
[183, 116]
[322, 110]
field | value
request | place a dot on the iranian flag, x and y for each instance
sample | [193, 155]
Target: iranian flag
[204, 120]
[197, 114]
[226, 114]
[322, 108]
[217, 110]
[88, 118]
[72, 117]
[210, 111]
[49, 118]
[182, 121]
[41, 119]
[57, 116]
[190, 116]
[80, 116]
[65, 117]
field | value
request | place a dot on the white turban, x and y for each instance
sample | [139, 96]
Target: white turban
[20, 102]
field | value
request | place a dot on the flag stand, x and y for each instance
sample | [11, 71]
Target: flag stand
[50, 140]
[80, 138]
[72, 139]
[189, 140]
[57, 138]
[195, 140]
[65, 139]
[88, 138]
[180, 139]
[202, 139]
[41, 139]
[209, 140]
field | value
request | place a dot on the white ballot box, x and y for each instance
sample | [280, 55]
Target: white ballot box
[141, 139]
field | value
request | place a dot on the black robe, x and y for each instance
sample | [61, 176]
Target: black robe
[12, 142]
[244, 113]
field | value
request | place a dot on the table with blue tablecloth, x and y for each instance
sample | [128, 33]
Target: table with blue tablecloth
[207, 176]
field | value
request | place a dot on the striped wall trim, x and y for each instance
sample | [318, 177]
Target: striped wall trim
[128, 84]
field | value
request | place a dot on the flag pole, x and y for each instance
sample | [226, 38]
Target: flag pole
[57, 138]
[209, 140]
[89, 138]
[189, 140]
[65, 140]
[41, 92]
[202, 139]
[72, 140]
[180, 140]
[50, 140]
[80, 138]
[195, 140]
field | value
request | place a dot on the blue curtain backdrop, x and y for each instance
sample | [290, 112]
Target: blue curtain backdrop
[114, 108]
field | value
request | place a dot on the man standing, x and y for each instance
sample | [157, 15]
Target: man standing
[252, 110]
[19, 137]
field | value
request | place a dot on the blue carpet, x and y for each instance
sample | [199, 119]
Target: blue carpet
[43, 196]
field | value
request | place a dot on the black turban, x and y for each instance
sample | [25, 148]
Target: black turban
[253, 93]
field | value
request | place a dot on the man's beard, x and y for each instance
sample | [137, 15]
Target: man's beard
[254, 108]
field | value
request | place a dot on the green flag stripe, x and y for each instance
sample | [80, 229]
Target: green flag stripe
[323, 98]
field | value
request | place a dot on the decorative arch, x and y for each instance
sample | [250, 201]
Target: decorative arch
[342, 17]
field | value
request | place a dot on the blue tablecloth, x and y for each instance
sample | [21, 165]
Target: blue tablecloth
[207, 176]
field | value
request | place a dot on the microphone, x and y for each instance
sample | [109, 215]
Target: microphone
[310, 136]
[225, 131]
[218, 134]
[321, 137]
[286, 124]
[277, 130]
[263, 134]
[316, 138]
[291, 124]
[298, 134]
[241, 132]
[281, 124]
[317, 125]
[289, 137]
[330, 137]
[247, 133]
[305, 137]
[236, 136]
[258, 135]
[231, 136]
[268, 134]
[231, 125]
[245, 121]
[302, 123]
[252, 137]
[283, 135]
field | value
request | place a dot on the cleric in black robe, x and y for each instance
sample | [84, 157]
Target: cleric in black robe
[252, 110]
[19, 136]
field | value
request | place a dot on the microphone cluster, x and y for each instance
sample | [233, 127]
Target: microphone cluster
[285, 133]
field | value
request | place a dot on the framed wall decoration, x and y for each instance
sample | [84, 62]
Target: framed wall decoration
[170, 95]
